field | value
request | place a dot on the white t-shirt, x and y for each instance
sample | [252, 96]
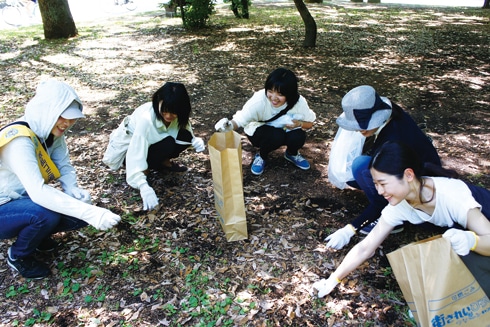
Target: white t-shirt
[453, 201]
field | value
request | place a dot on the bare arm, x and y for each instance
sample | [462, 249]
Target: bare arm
[300, 123]
[364, 249]
[306, 124]
[480, 225]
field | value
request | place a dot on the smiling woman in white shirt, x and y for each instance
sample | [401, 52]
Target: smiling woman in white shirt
[436, 198]
[273, 117]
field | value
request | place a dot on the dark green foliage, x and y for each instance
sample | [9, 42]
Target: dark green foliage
[240, 7]
[196, 13]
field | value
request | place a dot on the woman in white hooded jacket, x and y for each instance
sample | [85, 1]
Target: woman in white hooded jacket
[31, 210]
[154, 134]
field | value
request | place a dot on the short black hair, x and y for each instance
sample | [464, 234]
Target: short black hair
[175, 100]
[285, 82]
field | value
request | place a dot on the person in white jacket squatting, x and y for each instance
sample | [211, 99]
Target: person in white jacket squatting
[33, 152]
[275, 116]
[151, 136]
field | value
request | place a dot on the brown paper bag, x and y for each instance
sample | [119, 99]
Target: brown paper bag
[225, 152]
[438, 287]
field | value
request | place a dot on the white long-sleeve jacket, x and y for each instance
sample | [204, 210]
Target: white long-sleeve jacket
[19, 171]
[259, 109]
[146, 130]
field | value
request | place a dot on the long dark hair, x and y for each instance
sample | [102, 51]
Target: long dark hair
[393, 158]
[396, 111]
[285, 82]
[175, 100]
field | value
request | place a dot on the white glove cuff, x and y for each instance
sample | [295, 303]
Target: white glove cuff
[351, 229]
[476, 241]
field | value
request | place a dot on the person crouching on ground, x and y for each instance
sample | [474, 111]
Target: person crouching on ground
[151, 136]
[435, 198]
[33, 152]
[379, 120]
[275, 116]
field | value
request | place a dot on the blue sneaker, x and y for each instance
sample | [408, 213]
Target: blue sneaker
[367, 229]
[258, 165]
[297, 160]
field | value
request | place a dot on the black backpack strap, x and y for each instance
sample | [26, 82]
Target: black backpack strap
[279, 114]
[16, 123]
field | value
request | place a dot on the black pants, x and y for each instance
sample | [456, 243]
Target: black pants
[167, 148]
[269, 138]
[479, 265]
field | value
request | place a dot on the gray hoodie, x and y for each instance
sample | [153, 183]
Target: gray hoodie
[19, 171]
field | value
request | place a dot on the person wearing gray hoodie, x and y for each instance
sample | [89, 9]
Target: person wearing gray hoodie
[33, 153]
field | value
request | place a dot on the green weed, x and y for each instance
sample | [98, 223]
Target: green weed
[39, 317]
[13, 291]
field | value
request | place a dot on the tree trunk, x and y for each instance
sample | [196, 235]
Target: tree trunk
[234, 8]
[181, 4]
[486, 4]
[310, 24]
[240, 8]
[245, 13]
[57, 19]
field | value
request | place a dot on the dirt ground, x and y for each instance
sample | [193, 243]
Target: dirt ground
[173, 266]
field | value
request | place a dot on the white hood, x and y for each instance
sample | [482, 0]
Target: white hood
[51, 99]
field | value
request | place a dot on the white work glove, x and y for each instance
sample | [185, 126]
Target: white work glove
[198, 144]
[325, 286]
[223, 125]
[108, 220]
[104, 219]
[80, 194]
[340, 238]
[150, 199]
[462, 241]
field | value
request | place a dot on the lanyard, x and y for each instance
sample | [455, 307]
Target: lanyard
[47, 167]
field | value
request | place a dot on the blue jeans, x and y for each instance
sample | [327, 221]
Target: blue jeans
[364, 181]
[32, 224]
